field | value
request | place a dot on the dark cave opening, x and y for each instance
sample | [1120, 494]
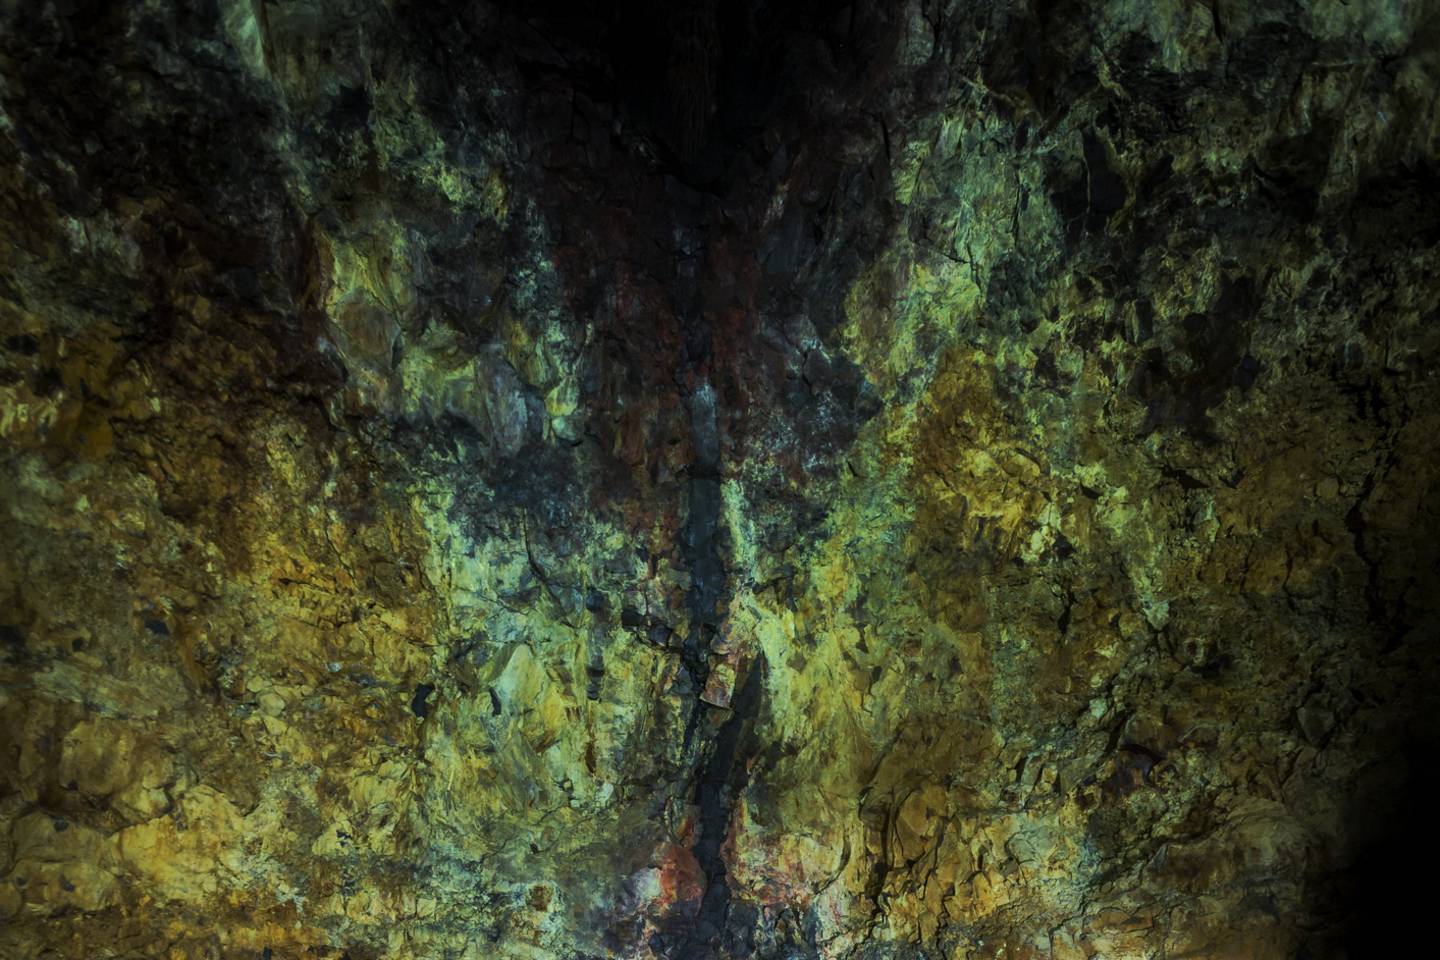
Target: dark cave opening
[1389, 886]
[705, 78]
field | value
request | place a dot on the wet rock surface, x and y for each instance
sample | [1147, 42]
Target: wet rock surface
[894, 480]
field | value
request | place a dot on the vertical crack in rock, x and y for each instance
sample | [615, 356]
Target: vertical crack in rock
[717, 755]
[722, 776]
[701, 547]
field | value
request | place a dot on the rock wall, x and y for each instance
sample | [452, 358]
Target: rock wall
[877, 480]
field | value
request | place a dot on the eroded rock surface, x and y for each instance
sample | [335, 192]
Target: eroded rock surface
[699, 480]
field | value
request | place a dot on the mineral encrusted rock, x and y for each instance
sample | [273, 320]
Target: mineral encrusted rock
[718, 480]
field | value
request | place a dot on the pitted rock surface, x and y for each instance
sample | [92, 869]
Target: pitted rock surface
[912, 479]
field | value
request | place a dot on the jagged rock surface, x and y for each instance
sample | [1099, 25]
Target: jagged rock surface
[897, 480]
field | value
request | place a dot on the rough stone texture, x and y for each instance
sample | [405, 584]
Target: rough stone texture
[889, 480]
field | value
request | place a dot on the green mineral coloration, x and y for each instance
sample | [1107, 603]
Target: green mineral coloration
[875, 481]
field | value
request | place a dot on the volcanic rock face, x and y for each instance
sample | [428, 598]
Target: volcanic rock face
[717, 480]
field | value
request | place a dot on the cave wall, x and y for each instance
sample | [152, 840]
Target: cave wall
[874, 480]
